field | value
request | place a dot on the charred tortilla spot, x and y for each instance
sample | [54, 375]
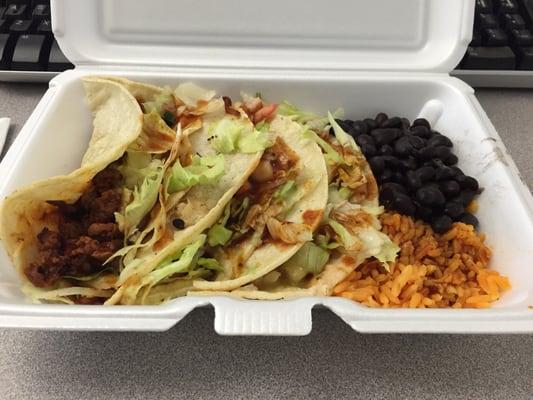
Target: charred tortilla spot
[312, 217]
[348, 261]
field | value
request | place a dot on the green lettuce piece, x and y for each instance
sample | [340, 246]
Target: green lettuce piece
[324, 241]
[285, 190]
[159, 102]
[235, 135]
[344, 139]
[347, 239]
[218, 234]
[135, 168]
[309, 119]
[263, 126]
[330, 154]
[184, 261]
[310, 259]
[210, 264]
[337, 195]
[206, 170]
[144, 195]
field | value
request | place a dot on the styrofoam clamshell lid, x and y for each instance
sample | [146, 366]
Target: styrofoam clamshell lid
[387, 35]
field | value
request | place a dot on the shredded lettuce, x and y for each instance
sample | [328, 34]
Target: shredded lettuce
[159, 102]
[349, 242]
[330, 154]
[206, 170]
[135, 168]
[337, 195]
[236, 135]
[309, 119]
[310, 259]
[144, 194]
[285, 190]
[209, 264]
[263, 126]
[344, 139]
[218, 234]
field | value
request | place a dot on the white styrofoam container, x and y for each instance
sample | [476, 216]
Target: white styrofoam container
[384, 55]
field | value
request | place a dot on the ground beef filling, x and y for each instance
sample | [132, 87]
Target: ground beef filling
[87, 233]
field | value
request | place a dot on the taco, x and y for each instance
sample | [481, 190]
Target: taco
[349, 232]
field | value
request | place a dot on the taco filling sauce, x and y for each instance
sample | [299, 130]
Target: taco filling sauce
[88, 234]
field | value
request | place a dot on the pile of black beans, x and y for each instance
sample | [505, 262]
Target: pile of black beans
[415, 169]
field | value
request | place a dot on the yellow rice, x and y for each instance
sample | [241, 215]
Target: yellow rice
[431, 271]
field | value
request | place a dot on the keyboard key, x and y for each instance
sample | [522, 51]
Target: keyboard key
[528, 10]
[2, 11]
[4, 25]
[487, 21]
[513, 21]
[20, 26]
[41, 11]
[506, 6]
[27, 55]
[483, 6]
[494, 37]
[45, 26]
[15, 11]
[4, 50]
[489, 58]
[525, 58]
[57, 60]
[522, 37]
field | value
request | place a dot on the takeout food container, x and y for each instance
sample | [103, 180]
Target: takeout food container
[363, 56]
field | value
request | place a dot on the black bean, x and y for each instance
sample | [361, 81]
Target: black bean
[368, 149]
[442, 152]
[465, 197]
[422, 122]
[454, 209]
[385, 135]
[408, 163]
[388, 193]
[359, 127]
[380, 118]
[392, 162]
[444, 173]
[457, 171]
[450, 188]
[440, 140]
[403, 204]
[430, 195]
[370, 123]
[394, 187]
[405, 123]
[421, 131]
[178, 223]
[385, 176]
[393, 122]
[398, 177]
[451, 160]
[386, 150]
[377, 164]
[469, 219]
[441, 224]
[416, 141]
[412, 179]
[426, 173]
[467, 182]
[364, 139]
[403, 147]
[425, 153]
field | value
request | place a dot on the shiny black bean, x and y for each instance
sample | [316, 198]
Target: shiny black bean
[392, 162]
[370, 123]
[385, 176]
[451, 160]
[425, 173]
[440, 140]
[416, 141]
[380, 118]
[444, 173]
[408, 163]
[412, 179]
[469, 219]
[467, 182]
[425, 153]
[450, 188]
[424, 212]
[442, 152]
[421, 131]
[368, 149]
[403, 147]
[377, 164]
[385, 135]
[386, 150]
[393, 122]
[441, 224]
[364, 139]
[359, 128]
[405, 123]
[430, 196]
[422, 122]
[388, 193]
[457, 171]
[398, 177]
[453, 209]
[393, 187]
[465, 197]
[403, 204]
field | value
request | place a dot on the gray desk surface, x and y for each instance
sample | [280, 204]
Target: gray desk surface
[190, 361]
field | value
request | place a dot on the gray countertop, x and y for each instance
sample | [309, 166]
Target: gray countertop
[191, 361]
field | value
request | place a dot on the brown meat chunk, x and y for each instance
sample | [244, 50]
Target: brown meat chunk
[103, 208]
[105, 231]
[71, 229]
[107, 179]
[49, 240]
[46, 271]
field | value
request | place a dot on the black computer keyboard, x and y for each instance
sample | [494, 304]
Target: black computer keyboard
[27, 46]
[501, 50]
